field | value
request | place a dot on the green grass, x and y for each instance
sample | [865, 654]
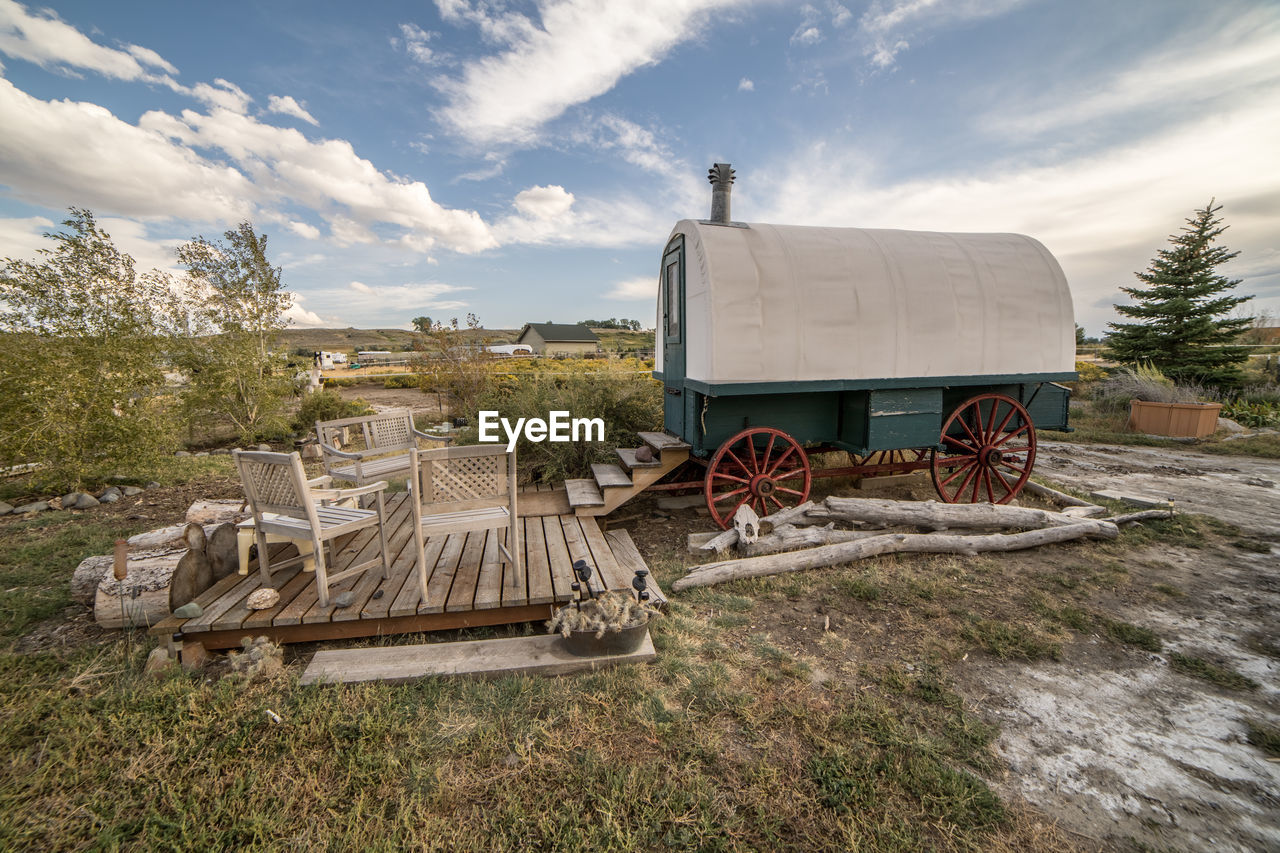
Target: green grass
[1211, 672]
[1008, 640]
[1265, 738]
[1130, 635]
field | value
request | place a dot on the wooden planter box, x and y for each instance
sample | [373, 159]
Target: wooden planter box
[1180, 420]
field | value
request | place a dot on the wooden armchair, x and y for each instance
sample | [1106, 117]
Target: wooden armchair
[284, 503]
[388, 439]
[461, 489]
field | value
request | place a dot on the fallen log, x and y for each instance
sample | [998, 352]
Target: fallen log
[788, 537]
[935, 515]
[892, 543]
[1053, 494]
[729, 538]
[1145, 515]
[142, 598]
[216, 511]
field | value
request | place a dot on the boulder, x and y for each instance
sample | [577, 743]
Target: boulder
[37, 506]
[110, 495]
[130, 491]
[79, 500]
[265, 448]
[5, 508]
[1230, 426]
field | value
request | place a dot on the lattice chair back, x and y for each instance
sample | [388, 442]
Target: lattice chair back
[392, 431]
[275, 483]
[459, 478]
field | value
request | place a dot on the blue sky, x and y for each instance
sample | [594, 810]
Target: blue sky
[525, 160]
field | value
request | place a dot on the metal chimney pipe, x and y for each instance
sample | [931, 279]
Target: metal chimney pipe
[721, 178]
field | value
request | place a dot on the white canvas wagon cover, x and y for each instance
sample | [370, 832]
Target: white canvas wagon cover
[787, 303]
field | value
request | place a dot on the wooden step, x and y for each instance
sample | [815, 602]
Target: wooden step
[628, 457]
[544, 655]
[610, 476]
[662, 441]
[583, 493]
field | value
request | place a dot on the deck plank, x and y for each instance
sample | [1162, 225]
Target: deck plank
[410, 598]
[364, 548]
[561, 563]
[288, 592]
[514, 590]
[612, 574]
[537, 569]
[441, 580]
[466, 580]
[489, 585]
[399, 540]
[629, 557]
[239, 612]
[578, 550]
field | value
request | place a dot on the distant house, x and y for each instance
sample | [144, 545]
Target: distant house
[556, 338]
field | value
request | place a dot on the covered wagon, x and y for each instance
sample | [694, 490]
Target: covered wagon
[906, 349]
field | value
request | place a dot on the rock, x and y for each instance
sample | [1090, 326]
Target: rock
[1230, 425]
[1260, 482]
[152, 485]
[130, 491]
[159, 663]
[79, 500]
[312, 453]
[181, 454]
[203, 453]
[265, 448]
[87, 576]
[644, 453]
[194, 655]
[262, 599]
[109, 495]
[190, 610]
[377, 594]
[344, 599]
[38, 506]
[221, 451]
[5, 508]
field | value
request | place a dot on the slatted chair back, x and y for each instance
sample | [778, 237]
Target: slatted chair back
[276, 483]
[385, 432]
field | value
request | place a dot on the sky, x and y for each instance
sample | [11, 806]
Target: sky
[525, 161]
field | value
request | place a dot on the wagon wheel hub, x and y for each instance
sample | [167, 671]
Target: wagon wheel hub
[992, 457]
[762, 468]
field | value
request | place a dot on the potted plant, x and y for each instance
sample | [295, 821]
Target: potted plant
[607, 622]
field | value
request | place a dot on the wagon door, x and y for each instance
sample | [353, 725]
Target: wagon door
[672, 332]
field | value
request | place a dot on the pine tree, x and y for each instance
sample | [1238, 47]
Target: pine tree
[1182, 307]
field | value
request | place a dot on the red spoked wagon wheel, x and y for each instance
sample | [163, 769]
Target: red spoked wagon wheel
[988, 448]
[762, 468]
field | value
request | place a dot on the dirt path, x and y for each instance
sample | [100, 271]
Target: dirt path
[1242, 490]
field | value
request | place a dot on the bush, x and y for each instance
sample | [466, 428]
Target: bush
[402, 382]
[326, 406]
[1144, 383]
[1253, 415]
[627, 403]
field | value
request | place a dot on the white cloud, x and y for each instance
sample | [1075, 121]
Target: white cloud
[634, 290]
[806, 36]
[544, 202]
[222, 94]
[303, 229]
[840, 15]
[296, 315]
[47, 41]
[746, 85]
[22, 238]
[887, 27]
[581, 50]
[360, 286]
[286, 105]
[416, 43]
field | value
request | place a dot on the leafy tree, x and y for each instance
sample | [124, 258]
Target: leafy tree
[1182, 307]
[236, 313]
[452, 360]
[82, 346]
[422, 324]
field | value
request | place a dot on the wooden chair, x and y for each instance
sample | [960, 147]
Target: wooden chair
[389, 438]
[285, 503]
[461, 489]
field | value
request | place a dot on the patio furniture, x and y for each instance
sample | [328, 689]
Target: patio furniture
[285, 503]
[460, 490]
[388, 438]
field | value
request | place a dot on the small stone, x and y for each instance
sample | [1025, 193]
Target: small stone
[261, 599]
[1260, 482]
[378, 594]
[1230, 426]
[181, 453]
[190, 610]
[344, 599]
[5, 508]
[152, 485]
[83, 501]
[265, 448]
[644, 453]
[130, 491]
[158, 662]
[203, 453]
[109, 495]
[221, 451]
[312, 452]
[38, 506]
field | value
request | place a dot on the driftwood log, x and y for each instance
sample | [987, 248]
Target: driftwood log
[890, 543]
[935, 515]
[794, 515]
[1053, 494]
[788, 537]
[142, 598]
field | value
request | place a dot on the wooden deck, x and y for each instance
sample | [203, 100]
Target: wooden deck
[467, 584]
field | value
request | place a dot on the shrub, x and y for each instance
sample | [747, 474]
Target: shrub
[1145, 383]
[1252, 415]
[626, 402]
[326, 405]
[409, 381]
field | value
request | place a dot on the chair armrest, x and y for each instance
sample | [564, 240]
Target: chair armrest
[447, 439]
[333, 451]
[340, 494]
[321, 482]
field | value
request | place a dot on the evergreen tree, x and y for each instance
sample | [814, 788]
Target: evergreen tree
[1182, 309]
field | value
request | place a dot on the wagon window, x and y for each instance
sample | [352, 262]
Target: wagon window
[673, 300]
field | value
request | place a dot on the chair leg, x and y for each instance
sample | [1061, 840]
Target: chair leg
[322, 575]
[264, 561]
[382, 536]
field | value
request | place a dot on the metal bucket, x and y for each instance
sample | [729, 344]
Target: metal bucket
[625, 641]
